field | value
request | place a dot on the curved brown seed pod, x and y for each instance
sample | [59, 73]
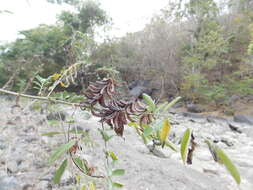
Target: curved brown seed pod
[94, 89]
[89, 95]
[102, 91]
[137, 108]
[96, 114]
[102, 101]
[111, 116]
[122, 118]
[128, 110]
[102, 82]
[129, 118]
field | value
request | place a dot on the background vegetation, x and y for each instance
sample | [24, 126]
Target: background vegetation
[200, 50]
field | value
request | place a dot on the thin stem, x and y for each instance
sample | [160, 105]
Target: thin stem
[38, 98]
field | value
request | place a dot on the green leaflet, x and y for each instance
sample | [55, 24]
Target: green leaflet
[60, 171]
[50, 134]
[105, 136]
[165, 131]
[81, 164]
[165, 109]
[228, 164]
[113, 156]
[150, 102]
[117, 185]
[147, 131]
[118, 172]
[61, 150]
[184, 144]
[171, 145]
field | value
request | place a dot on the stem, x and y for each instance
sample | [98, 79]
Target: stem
[38, 98]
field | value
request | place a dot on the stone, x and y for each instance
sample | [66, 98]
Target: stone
[233, 99]
[42, 185]
[193, 115]
[57, 116]
[12, 166]
[195, 108]
[137, 91]
[248, 119]
[8, 183]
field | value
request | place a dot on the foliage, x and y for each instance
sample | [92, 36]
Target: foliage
[47, 49]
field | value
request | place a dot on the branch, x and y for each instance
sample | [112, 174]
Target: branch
[38, 98]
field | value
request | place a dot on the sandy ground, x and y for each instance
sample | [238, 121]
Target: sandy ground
[24, 153]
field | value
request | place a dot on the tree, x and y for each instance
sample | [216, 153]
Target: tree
[52, 47]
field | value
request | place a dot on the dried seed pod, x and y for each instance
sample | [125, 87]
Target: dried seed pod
[116, 113]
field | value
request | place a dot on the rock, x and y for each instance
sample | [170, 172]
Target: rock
[234, 127]
[137, 91]
[226, 142]
[244, 119]
[215, 119]
[193, 115]
[8, 183]
[42, 185]
[233, 99]
[27, 187]
[57, 116]
[12, 166]
[178, 105]
[195, 108]
[133, 84]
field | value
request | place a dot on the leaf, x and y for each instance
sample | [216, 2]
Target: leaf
[165, 109]
[50, 134]
[81, 164]
[105, 136]
[61, 150]
[147, 131]
[133, 124]
[150, 102]
[53, 122]
[92, 186]
[56, 76]
[117, 185]
[113, 156]
[63, 85]
[212, 151]
[60, 171]
[161, 106]
[118, 172]
[171, 145]
[228, 164]
[184, 144]
[165, 131]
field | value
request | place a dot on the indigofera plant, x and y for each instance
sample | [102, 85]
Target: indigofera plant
[116, 113]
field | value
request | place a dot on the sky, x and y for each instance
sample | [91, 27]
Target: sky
[127, 15]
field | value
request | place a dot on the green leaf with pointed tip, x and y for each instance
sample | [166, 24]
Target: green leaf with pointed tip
[161, 106]
[150, 102]
[171, 104]
[118, 172]
[171, 145]
[60, 151]
[147, 131]
[113, 156]
[59, 172]
[81, 164]
[50, 134]
[184, 144]
[228, 164]
[105, 136]
[117, 185]
[133, 124]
